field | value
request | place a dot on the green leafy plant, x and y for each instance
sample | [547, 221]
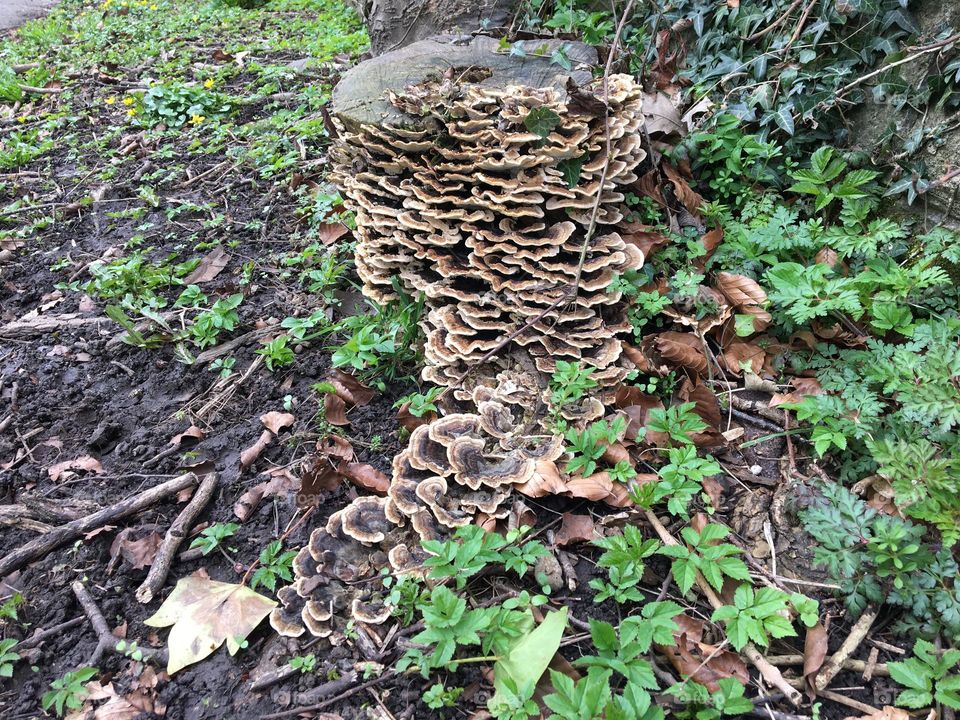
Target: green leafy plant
[588, 445]
[304, 663]
[926, 677]
[755, 616]
[68, 692]
[275, 564]
[175, 104]
[212, 537]
[472, 549]
[130, 650]
[822, 180]
[701, 704]
[569, 383]
[8, 658]
[277, 353]
[677, 421]
[714, 560]
[222, 316]
[420, 403]
[438, 696]
[623, 558]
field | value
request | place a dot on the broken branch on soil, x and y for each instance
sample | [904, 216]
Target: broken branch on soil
[106, 640]
[769, 672]
[835, 664]
[175, 536]
[60, 536]
[327, 703]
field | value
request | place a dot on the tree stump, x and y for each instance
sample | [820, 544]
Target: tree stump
[391, 24]
[474, 173]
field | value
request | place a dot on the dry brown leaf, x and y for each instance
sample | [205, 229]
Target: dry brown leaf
[702, 662]
[740, 290]
[318, 476]
[249, 456]
[365, 477]
[84, 463]
[814, 654]
[410, 422]
[595, 487]
[350, 389]
[827, 256]
[191, 433]
[574, 529]
[661, 115]
[742, 352]
[210, 266]
[803, 387]
[275, 421]
[682, 349]
[645, 237]
[649, 186]
[336, 447]
[335, 410]
[331, 232]
[710, 240]
[616, 452]
[280, 483]
[546, 480]
[688, 197]
[137, 553]
[706, 404]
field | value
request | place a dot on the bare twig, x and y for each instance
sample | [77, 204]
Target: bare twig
[389, 674]
[174, 537]
[106, 640]
[776, 23]
[60, 536]
[40, 635]
[851, 664]
[835, 664]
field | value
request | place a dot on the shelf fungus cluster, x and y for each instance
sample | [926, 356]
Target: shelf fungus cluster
[459, 469]
[491, 183]
[474, 180]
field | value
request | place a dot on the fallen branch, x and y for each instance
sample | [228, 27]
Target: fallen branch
[337, 698]
[106, 640]
[858, 666]
[769, 672]
[41, 325]
[174, 538]
[40, 635]
[835, 664]
[60, 536]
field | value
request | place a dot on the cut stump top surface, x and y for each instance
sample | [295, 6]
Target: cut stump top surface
[360, 98]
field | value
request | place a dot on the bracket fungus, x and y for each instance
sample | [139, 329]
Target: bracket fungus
[490, 183]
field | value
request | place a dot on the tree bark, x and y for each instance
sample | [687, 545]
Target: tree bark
[392, 24]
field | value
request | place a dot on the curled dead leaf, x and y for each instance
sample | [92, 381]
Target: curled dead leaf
[574, 529]
[803, 387]
[249, 456]
[683, 349]
[210, 266]
[595, 487]
[740, 290]
[411, 422]
[700, 661]
[84, 463]
[365, 477]
[275, 421]
[280, 483]
[335, 410]
[546, 480]
[814, 654]
[748, 354]
[351, 390]
[192, 433]
[139, 553]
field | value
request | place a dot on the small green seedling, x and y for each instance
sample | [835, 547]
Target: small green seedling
[68, 692]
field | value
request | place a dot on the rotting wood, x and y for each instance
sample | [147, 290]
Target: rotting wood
[175, 536]
[60, 536]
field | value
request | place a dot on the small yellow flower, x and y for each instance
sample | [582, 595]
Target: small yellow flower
[22, 119]
[208, 83]
[197, 119]
[128, 101]
[110, 100]
[131, 112]
[153, 7]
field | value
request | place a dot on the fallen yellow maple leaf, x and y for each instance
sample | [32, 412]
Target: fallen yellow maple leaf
[205, 613]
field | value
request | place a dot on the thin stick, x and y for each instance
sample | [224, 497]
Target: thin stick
[40, 635]
[770, 673]
[849, 702]
[775, 24]
[848, 664]
[60, 536]
[326, 703]
[106, 640]
[174, 538]
[835, 664]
